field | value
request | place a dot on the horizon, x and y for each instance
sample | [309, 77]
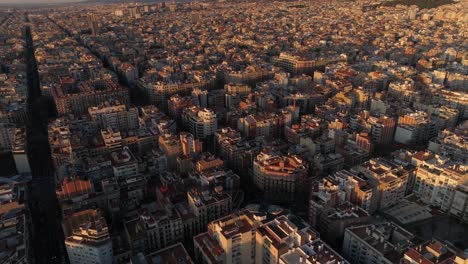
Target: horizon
[36, 3]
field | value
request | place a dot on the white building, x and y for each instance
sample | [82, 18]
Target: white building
[452, 144]
[202, 123]
[312, 253]
[442, 183]
[90, 244]
[124, 163]
[112, 139]
[257, 237]
[294, 64]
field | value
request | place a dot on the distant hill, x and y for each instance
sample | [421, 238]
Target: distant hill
[422, 4]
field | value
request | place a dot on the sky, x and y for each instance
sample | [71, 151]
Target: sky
[36, 1]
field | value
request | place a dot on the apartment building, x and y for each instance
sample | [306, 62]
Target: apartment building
[124, 163]
[231, 146]
[339, 189]
[112, 139]
[334, 221]
[173, 254]
[201, 122]
[190, 145]
[294, 63]
[415, 128]
[382, 130]
[276, 238]
[60, 141]
[268, 125]
[442, 183]
[77, 98]
[389, 179]
[403, 90]
[158, 92]
[19, 151]
[176, 104]
[207, 205]
[153, 228]
[260, 237]
[433, 252]
[14, 223]
[279, 177]
[316, 252]
[200, 97]
[208, 162]
[231, 88]
[114, 115]
[90, 242]
[324, 194]
[376, 243]
[171, 147]
[450, 143]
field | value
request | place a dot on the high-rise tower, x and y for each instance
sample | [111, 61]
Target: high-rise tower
[93, 24]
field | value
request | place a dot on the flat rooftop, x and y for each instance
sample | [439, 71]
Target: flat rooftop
[175, 254]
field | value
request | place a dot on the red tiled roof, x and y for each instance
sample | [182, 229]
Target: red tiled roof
[72, 187]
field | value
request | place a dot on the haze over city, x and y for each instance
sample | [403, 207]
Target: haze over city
[217, 131]
[45, 2]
